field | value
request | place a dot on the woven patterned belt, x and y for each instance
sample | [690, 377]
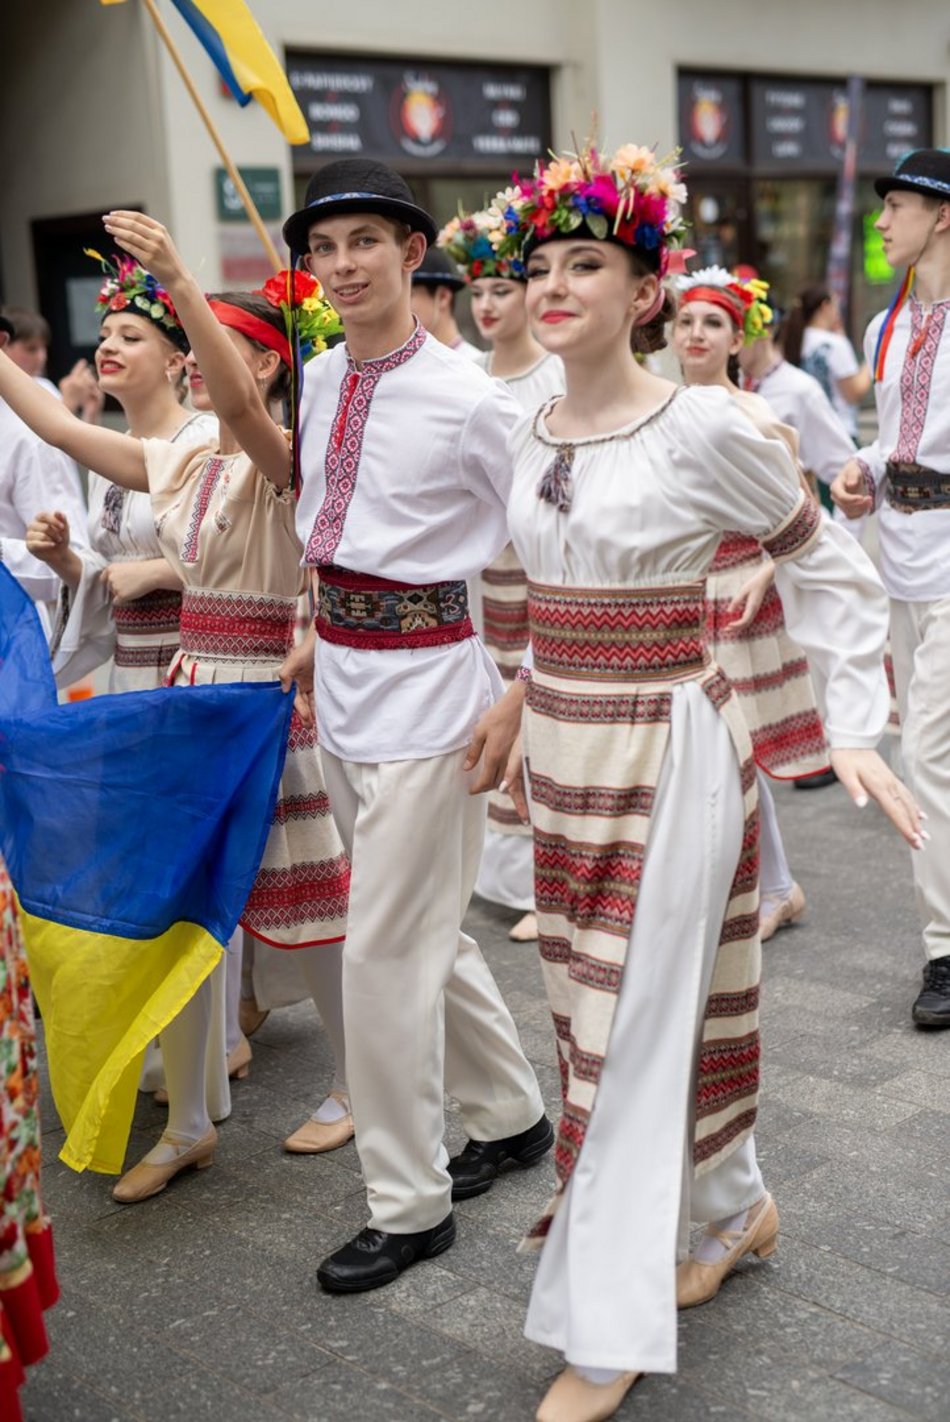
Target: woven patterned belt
[912, 488]
[237, 626]
[358, 610]
[618, 634]
[736, 549]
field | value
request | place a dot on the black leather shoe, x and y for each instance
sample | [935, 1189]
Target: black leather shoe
[375, 1258]
[475, 1169]
[932, 1008]
[816, 782]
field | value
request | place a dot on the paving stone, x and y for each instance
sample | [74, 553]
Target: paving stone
[916, 1258]
[53, 1394]
[919, 1384]
[340, 1393]
[257, 1356]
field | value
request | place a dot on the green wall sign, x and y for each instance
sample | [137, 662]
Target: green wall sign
[262, 183]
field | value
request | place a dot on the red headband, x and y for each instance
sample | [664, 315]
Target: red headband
[253, 327]
[717, 296]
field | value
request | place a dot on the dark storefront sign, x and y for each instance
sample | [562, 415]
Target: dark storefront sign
[419, 115]
[796, 127]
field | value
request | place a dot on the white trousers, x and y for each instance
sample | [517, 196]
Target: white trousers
[422, 1012]
[506, 873]
[605, 1291]
[920, 646]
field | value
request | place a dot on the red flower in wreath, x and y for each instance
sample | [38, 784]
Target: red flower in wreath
[119, 302]
[275, 290]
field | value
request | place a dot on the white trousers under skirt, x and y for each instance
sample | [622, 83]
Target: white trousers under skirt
[605, 1291]
[421, 1009]
[920, 647]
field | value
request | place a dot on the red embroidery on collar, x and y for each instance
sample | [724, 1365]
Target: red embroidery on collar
[342, 460]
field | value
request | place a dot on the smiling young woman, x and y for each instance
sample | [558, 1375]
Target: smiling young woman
[642, 782]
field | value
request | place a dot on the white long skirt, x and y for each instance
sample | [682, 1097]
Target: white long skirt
[605, 1291]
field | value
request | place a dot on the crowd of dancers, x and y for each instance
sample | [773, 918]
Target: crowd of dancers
[553, 589]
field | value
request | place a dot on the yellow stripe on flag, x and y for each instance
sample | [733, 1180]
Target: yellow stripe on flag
[103, 999]
[255, 65]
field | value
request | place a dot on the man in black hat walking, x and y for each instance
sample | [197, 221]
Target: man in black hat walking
[405, 477]
[905, 475]
[435, 283]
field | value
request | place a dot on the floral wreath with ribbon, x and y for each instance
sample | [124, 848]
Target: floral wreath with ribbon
[632, 197]
[744, 301]
[129, 287]
[307, 313]
[475, 240]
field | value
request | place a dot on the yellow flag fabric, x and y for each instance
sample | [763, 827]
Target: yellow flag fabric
[237, 47]
[103, 999]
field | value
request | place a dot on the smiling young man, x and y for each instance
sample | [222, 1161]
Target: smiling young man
[405, 476]
[905, 474]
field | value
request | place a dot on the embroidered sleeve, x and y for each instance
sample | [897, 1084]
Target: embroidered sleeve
[796, 534]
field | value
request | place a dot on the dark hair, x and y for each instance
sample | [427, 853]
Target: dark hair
[27, 325]
[804, 308]
[260, 307]
[644, 340]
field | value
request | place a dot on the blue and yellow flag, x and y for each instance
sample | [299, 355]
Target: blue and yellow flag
[132, 827]
[247, 64]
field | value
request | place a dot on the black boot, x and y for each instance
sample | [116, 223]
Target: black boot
[932, 1008]
[475, 1169]
[375, 1258]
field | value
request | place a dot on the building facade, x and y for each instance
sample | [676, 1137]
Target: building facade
[93, 115]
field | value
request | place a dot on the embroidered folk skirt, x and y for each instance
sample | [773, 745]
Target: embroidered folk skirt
[27, 1272]
[146, 640]
[607, 665]
[768, 671]
[300, 894]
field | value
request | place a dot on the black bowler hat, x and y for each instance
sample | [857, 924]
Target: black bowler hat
[438, 270]
[356, 185]
[925, 171]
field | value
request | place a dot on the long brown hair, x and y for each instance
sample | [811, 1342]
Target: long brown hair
[806, 306]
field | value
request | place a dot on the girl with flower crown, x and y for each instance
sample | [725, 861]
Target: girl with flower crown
[642, 780]
[718, 316]
[224, 515]
[533, 375]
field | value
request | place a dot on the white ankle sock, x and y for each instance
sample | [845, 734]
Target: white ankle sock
[710, 1249]
[601, 1377]
[330, 1111]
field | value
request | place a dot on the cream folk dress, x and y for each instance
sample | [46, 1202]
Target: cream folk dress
[638, 1156]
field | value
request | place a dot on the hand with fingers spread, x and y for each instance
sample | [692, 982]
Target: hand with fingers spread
[148, 242]
[866, 776]
[491, 746]
[747, 601]
[850, 491]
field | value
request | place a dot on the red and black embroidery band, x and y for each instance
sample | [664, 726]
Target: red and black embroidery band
[358, 610]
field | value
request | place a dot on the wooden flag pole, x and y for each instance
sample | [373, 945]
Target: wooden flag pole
[216, 139]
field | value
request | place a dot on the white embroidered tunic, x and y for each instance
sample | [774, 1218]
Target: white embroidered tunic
[913, 411]
[405, 476]
[797, 398]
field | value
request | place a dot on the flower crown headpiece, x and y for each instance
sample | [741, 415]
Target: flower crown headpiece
[632, 197]
[129, 287]
[475, 240]
[306, 311]
[744, 301]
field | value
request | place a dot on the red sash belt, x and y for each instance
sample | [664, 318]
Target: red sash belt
[618, 634]
[358, 610]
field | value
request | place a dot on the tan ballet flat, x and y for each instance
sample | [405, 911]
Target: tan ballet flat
[239, 1060]
[525, 930]
[697, 1283]
[572, 1398]
[783, 915]
[145, 1180]
[250, 1016]
[315, 1137]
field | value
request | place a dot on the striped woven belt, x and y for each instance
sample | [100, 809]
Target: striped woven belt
[236, 626]
[912, 488]
[358, 610]
[618, 634]
[146, 629]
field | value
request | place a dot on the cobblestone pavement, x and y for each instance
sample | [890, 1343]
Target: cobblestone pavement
[202, 1302]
